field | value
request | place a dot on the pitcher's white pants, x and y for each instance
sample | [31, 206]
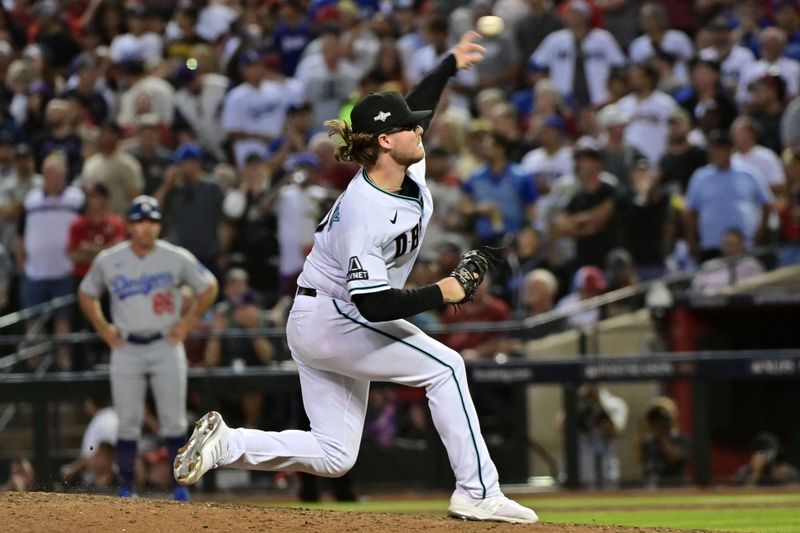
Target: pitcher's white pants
[338, 353]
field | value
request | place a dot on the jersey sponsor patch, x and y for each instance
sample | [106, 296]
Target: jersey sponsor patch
[355, 272]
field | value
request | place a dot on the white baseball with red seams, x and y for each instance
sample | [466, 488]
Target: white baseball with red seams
[490, 25]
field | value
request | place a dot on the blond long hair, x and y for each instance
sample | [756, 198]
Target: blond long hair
[351, 146]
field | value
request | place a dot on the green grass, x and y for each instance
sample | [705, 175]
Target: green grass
[715, 512]
[780, 520]
[675, 499]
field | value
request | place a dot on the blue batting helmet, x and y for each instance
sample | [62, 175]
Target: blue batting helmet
[144, 208]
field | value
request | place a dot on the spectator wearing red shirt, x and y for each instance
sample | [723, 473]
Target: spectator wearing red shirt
[94, 230]
[483, 308]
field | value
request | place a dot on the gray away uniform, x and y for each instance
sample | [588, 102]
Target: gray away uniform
[145, 305]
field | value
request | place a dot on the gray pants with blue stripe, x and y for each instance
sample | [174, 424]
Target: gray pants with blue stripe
[164, 365]
[338, 353]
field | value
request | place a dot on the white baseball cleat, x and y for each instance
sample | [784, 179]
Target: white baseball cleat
[494, 509]
[205, 449]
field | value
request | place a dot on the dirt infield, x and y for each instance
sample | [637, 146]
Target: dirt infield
[46, 512]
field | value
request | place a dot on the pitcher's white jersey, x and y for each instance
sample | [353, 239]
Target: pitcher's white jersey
[369, 240]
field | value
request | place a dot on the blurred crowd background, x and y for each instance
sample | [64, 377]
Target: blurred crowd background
[599, 144]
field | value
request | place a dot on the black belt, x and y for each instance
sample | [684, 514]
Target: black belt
[143, 339]
[304, 291]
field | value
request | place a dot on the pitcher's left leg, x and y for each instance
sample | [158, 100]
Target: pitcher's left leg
[399, 352]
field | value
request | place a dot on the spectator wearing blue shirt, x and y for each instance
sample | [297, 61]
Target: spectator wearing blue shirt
[500, 194]
[292, 35]
[722, 196]
[787, 18]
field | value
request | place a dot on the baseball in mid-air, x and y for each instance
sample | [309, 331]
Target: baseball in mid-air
[489, 25]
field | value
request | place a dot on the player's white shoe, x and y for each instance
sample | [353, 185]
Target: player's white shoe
[205, 449]
[494, 509]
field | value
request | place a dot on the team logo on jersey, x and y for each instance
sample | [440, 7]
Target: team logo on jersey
[407, 242]
[124, 287]
[334, 216]
[355, 272]
[382, 116]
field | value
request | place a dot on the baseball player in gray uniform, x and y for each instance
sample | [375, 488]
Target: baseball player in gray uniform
[143, 276]
[346, 326]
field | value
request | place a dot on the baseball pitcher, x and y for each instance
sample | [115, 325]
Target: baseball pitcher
[346, 326]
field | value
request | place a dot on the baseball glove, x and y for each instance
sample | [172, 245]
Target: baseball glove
[471, 270]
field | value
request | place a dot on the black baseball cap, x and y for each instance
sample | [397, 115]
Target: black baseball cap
[97, 188]
[719, 138]
[6, 137]
[111, 126]
[766, 442]
[588, 151]
[298, 107]
[253, 157]
[383, 111]
[707, 61]
[718, 24]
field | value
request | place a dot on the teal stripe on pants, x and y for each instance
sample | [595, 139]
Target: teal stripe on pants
[452, 372]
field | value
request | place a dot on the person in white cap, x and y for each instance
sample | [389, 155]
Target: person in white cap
[619, 156]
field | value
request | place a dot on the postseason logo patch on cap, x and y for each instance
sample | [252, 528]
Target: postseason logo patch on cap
[380, 112]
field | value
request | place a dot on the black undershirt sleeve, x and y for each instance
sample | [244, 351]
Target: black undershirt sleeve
[398, 303]
[426, 93]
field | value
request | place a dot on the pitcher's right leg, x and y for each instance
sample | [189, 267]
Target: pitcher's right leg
[336, 406]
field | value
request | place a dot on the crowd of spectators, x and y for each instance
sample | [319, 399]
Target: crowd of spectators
[597, 140]
[590, 128]
[600, 143]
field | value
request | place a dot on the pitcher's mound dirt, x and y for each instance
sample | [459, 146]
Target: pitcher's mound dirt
[47, 512]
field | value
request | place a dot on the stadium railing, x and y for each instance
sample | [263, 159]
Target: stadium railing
[701, 368]
[657, 295]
